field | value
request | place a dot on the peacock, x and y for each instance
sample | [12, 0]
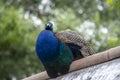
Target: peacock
[57, 50]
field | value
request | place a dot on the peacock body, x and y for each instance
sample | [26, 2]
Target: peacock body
[58, 50]
[54, 54]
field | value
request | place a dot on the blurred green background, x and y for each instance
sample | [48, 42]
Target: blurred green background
[22, 20]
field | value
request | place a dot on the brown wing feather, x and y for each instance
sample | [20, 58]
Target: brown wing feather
[68, 36]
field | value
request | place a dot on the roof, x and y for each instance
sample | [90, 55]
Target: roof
[106, 71]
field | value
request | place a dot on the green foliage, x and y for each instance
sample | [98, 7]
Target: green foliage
[17, 45]
[113, 4]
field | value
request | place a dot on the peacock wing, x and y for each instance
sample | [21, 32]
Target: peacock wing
[69, 36]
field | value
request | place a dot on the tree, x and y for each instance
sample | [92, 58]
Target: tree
[17, 51]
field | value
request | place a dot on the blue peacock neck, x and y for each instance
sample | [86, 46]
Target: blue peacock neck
[47, 46]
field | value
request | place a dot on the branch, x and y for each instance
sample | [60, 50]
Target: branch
[84, 62]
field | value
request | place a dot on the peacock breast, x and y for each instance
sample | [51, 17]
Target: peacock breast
[47, 46]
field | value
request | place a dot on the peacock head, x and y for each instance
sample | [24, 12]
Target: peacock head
[49, 26]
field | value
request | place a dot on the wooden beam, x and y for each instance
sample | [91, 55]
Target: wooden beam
[84, 62]
[40, 76]
[96, 59]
